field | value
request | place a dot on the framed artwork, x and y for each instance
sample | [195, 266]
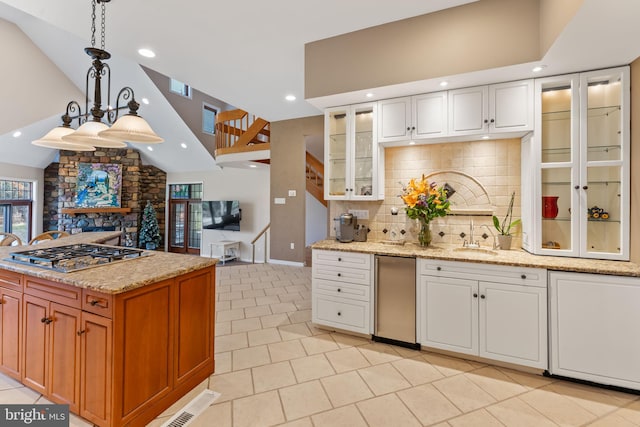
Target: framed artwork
[98, 185]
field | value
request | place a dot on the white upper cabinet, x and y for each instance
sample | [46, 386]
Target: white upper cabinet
[578, 165]
[505, 107]
[352, 155]
[413, 117]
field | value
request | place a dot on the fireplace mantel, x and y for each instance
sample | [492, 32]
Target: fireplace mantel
[76, 211]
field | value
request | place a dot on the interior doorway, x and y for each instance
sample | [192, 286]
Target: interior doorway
[185, 218]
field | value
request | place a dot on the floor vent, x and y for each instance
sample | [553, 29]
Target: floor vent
[194, 408]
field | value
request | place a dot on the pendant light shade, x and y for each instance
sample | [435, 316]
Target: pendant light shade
[132, 128]
[88, 134]
[53, 139]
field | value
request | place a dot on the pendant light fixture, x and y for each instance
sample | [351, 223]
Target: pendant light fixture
[92, 131]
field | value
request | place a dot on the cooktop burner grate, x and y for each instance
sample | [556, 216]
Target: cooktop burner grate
[74, 257]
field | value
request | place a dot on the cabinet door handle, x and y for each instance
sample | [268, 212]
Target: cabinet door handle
[482, 296]
[413, 128]
[339, 314]
[475, 295]
[585, 187]
[486, 121]
[524, 276]
[408, 127]
[46, 320]
[339, 290]
[577, 187]
[43, 320]
[1, 302]
[438, 268]
[339, 274]
[492, 120]
[80, 332]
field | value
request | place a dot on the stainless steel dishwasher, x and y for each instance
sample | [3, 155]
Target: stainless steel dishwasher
[395, 301]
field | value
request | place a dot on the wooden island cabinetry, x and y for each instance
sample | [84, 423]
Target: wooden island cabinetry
[117, 359]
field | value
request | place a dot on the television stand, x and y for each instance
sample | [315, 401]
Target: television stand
[227, 250]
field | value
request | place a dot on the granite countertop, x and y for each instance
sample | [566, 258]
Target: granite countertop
[114, 278]
[514, 257]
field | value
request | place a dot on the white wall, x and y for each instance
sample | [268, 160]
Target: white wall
[315, 222]
[250, 187]
[36, 176]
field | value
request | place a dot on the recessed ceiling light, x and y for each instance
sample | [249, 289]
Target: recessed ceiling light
[17, 133]
[150, 148]
[183, 145]
[538, 68]
[145, 101]
[290, 97]
[443, 84]
[369, 95]
[147, 53]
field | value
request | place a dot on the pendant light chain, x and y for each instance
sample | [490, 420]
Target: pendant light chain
[102, 31]
[93, 23]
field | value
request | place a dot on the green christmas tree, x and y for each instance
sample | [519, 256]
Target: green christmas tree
[149, 232]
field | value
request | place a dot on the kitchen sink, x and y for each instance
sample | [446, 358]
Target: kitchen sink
[476, 250]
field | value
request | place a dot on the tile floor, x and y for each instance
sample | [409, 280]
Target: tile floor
[273, 367]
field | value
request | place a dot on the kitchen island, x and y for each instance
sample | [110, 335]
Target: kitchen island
[118, 342]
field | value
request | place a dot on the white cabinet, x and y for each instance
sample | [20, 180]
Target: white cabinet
[502, 316]
[499, 108]
[594, 328]
[352, 157]
[341, 294]
[578, 166]
[410, 118]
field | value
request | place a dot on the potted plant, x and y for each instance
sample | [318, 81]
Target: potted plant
[504, 227]
[149, 232]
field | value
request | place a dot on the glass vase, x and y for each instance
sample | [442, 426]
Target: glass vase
[424, 234]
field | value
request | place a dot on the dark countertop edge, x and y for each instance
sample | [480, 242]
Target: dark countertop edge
[516, 257]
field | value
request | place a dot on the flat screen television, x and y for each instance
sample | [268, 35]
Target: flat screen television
[221, 215]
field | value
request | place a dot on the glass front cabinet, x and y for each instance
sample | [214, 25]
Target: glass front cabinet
[579, 164]
[352, 155]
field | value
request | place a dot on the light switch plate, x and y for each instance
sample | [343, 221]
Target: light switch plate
[292, 193]
[279, 201]
[360, 213]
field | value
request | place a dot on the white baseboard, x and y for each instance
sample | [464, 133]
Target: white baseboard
[283, 262]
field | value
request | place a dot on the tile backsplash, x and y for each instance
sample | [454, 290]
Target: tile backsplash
[484, 174]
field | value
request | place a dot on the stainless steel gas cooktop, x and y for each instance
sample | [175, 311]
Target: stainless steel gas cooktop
[74, 257]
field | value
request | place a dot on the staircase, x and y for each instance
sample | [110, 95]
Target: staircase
[241, 137]
[315, 178]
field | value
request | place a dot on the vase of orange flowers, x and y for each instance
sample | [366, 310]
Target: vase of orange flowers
[424, 201]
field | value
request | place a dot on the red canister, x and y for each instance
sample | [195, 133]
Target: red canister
[549, 207]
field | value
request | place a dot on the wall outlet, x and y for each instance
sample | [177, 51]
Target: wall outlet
[279, 201]
[293, 245]
[360, 213]
[292, 193]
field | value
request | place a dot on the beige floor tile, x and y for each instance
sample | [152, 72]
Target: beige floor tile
[283, 307]
[480, 418]
[557, 407]
[383, 379]
[516, 413]
[223, 362]
[274, 320]
[463, 393]
[347, 416]
[344, 340]
[242, 303]
[184, 400]
[263, 336]
[346, 388]
[275, 291]
[223, 305]
[303, 400]
[597, 401]
[229, 315]
[227, 296]
[428, 404]
[258, 311]
[223, 328]
[231, 342]
[8, 383]
[214, 415]
[448, 366]
[613, 420]
[304, 304]
[286, 350]
[290, 297]
[526, 379]
[302, 422]
[232, 385]
[260, 410]
[311, 367]
[319, 344]
[295, 331]
[76, 421]
[252, 293]
[377, 353]
[250, 357]
[20, 395]
[244, 325]
[631, 412]
[496, 383]
[299, 316]
[417, 370]
[346, 359]
[267, 300]
[272, 376]
[387, 411]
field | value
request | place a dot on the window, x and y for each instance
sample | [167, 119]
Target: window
[15, 208]
[180, 88]
[209, 119]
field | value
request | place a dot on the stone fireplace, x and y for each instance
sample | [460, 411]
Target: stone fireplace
[139, 184]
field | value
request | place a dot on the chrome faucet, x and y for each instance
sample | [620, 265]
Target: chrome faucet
[495, 238]
[471, 243]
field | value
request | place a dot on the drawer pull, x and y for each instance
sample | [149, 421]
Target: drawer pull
[80, 332]
[475, 295]
[96, 303]
[339, 314]
[339, 290]
[339, 259]
[438, 268]
[482, 296]
[339, 274]
[524, 276]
